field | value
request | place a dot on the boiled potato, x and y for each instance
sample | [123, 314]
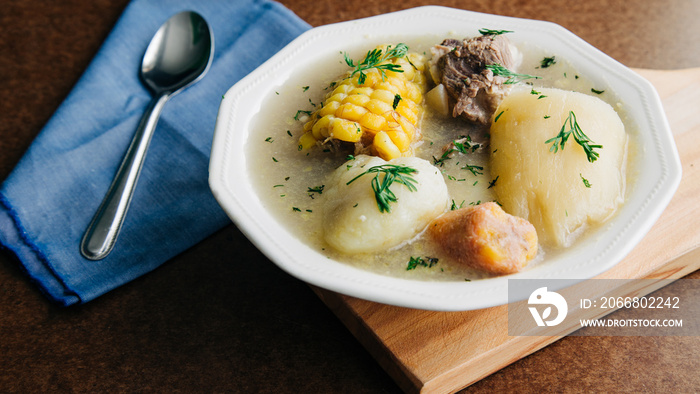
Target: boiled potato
[560, 193]
[352, 220]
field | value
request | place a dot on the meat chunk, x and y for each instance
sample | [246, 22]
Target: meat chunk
[486, 238]
[461, 68]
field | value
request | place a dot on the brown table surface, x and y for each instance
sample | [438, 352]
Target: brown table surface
[221, 317]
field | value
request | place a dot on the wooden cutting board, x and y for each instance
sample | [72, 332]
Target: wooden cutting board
[456, 349]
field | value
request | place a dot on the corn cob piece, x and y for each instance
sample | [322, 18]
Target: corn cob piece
[378, 110]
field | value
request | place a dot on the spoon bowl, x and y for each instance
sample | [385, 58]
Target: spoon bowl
[179, 55]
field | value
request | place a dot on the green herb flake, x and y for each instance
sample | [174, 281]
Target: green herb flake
[547, 62]
[316, 189]
[493, 182]
[427, 262]
[597, 91]
[585, 181]
[269, 139]
[397, 99]
[476, 170]
[454, 205]
[498, 116]
[301, 112]
[304, 88]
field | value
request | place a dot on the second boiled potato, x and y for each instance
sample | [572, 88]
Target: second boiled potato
[560, 193]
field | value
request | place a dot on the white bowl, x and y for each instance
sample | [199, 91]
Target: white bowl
[649, 195]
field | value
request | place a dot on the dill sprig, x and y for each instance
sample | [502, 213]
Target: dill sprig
[385, 176]
[572, 128]
[375, 59]
[512, 77]
[490, 32]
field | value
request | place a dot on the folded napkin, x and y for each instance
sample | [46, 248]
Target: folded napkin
[52, 194]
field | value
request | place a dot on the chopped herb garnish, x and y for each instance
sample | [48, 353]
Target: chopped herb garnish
[476, 170]
[547, 61]
[295, 209]
[304, 88]
[391, 173]
[427, 262]
[375, 59]
[462, 145]
[299, 112]
[490, 32]
[349, 157]
[569, 128]
[512, 78]
[397, 99]
[289, 133]
[547, 116]
[275, 160]
[493, 182]
[454, 205]
[597, 91]
[585, 181]
[498, 116]
[269, 139]
[317, 189]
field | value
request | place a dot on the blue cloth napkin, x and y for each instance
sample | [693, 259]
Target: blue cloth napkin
[52, 194]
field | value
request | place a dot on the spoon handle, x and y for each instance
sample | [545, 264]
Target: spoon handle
[103, 230]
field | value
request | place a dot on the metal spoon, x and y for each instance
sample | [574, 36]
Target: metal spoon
[179, 55]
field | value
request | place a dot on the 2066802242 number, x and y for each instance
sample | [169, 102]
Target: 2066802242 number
[640, 302]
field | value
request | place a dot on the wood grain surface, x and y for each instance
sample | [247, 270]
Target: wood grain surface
[221, 317]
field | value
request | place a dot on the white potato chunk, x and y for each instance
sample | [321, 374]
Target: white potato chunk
[437, 98]
[352, 220]
[561, 193]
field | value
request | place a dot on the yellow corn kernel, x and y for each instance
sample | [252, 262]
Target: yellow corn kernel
[378, 107]
[361, 90]
[372, 77]
[346, 130]
[398, 82]
[413, 93]
[357, 99]
[350, 111]
[307, 141]
[343, 88]
[408, 128]
[320, 129]
[336, 97]
[383, 95]
[308, 125]
[385, 85]
[405, 110]
[374, 122]
[399, 138]
[329, 108]
[384, 147]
